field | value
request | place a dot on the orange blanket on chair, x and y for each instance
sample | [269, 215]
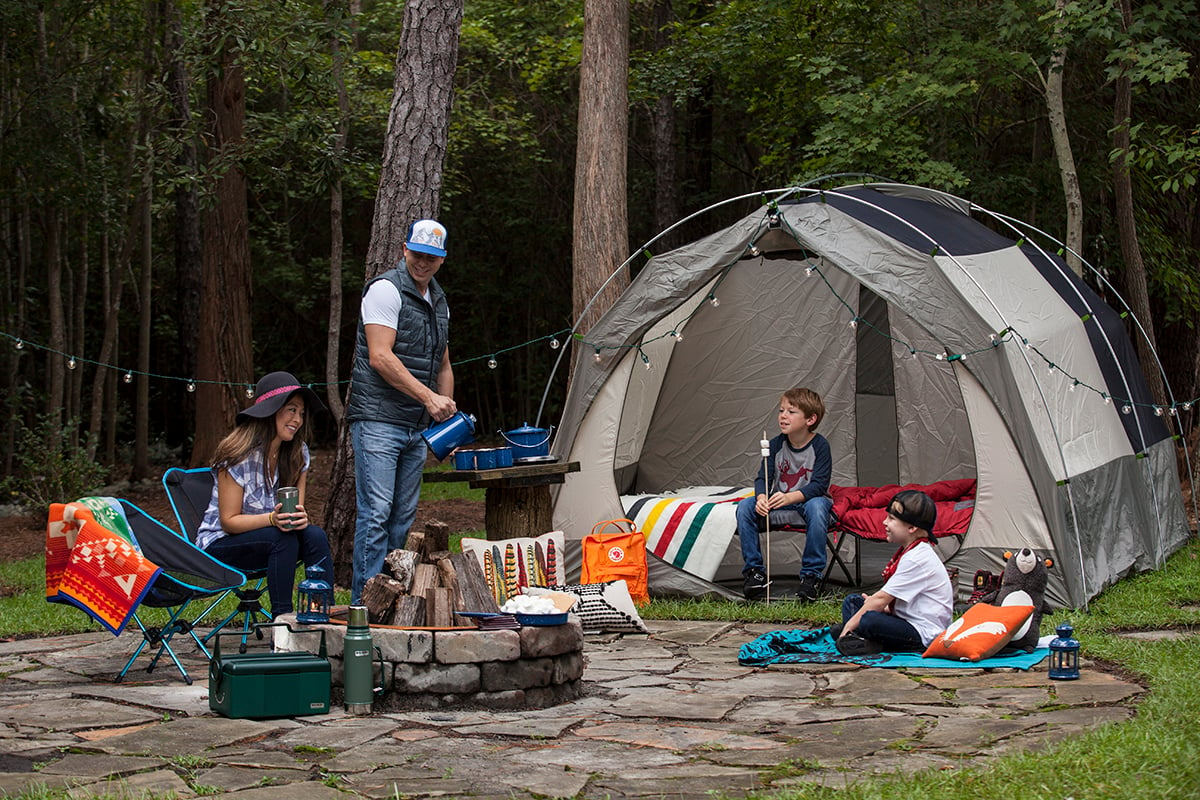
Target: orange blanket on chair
[93, 562]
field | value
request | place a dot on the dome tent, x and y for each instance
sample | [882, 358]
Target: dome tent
[942, 350]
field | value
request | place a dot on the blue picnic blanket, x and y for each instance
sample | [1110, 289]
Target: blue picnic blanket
[817, 647]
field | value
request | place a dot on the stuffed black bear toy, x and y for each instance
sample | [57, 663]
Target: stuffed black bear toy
[1023, 583]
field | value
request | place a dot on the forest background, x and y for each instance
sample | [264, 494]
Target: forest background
[116, 156]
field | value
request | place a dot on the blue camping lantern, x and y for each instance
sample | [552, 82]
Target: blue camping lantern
[1064, 654]
[314, 595]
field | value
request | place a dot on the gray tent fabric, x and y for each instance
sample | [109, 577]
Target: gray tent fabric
[942, 349]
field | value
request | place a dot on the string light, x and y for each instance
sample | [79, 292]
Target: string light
[20, 345]
[71, 362]
[128, 377]
[854, 324]
[713, 301]
[808, 272]
[191, 387]
[1125, 409]
[554, 343]
[250, 391]
[596, 357]
[754, 251]
[1158, 412]
[645, 359]
[492, 363]
[678, 336]
[1071, 388]
[1187, 406]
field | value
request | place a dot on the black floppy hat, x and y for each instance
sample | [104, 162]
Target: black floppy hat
[273, 390]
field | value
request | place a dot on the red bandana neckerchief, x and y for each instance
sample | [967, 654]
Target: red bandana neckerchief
[890, 569]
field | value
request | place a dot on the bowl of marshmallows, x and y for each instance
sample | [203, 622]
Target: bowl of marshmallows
[540, 611]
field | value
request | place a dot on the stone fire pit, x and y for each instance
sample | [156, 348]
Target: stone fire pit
[534, 667]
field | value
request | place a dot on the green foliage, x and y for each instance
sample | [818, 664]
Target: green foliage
[50, 468]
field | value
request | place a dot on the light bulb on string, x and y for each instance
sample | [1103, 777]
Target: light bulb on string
[912, 353]
[713, 301]
[1187, 406]
[128, 377]
[940, 356]
[71, 363]
[1107, 399]
[645, 360]
[1158, 412]
[1050, 367]
[1027, 343]
[492, 363]
[754, 251]
[596, 357]
[1126, 409]
[554, 343]
[249, 391]
[808, 272]
[1071, 388]
[678, 336]
[191, 387]
[20, 345]
[1171, 411]
[854, 324]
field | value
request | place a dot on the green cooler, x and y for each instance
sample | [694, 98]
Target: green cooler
[259, 685]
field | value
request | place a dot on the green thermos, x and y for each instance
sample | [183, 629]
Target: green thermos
[357, 656]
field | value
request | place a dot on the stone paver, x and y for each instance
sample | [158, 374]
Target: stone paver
[668, 714]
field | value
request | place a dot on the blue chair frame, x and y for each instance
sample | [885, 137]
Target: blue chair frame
[189, 492]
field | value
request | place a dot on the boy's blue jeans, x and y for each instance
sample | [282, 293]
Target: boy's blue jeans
[816, 513]
[896, 635]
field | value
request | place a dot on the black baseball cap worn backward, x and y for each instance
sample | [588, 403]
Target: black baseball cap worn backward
[916, 508]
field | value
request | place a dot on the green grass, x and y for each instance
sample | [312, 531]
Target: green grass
[449, 490]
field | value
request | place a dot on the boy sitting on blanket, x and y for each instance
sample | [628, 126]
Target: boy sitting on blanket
[794, 490]
[916, 602]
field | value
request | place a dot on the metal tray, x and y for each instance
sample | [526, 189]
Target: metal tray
[536, 460]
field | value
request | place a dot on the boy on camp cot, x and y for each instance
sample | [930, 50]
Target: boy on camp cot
[793, 487]
[916, 602]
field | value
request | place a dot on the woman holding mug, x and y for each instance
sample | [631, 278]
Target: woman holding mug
[244, 526]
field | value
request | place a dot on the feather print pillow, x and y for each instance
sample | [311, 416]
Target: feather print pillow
[979, 633]
[511, 564]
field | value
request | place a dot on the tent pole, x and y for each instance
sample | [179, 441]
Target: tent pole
[765, 450]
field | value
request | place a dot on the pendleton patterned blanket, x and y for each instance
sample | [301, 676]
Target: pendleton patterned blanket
[690, 529]
[93, 561]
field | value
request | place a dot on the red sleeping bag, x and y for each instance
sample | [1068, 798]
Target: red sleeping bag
[862, 509]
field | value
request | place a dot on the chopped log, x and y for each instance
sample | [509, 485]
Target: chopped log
[379, 596]
[437, 537]
[425, 577]
[402, 564]
[472, 585]
[439, 607]
[416, 543]
[434, 556]
[409, 611]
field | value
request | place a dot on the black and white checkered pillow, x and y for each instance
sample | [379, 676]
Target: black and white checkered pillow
[602, 606]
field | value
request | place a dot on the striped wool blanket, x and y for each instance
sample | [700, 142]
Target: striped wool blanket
[690, 529]
[93, 561]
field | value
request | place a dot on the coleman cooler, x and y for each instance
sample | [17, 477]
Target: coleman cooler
[258, 685]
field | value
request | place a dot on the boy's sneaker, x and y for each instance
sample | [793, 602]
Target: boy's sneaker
[854, 645]
[755, 586]
[809, 588]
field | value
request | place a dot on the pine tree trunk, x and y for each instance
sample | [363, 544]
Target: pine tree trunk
[410, 184]
[601, 240]
[224, 353]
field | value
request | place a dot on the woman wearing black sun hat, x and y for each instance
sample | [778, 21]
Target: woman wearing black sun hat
[244, 526]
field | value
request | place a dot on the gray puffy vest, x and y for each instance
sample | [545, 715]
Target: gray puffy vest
[422, 331]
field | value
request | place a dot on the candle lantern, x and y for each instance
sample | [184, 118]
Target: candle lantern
[1064, 654]
[314, 595]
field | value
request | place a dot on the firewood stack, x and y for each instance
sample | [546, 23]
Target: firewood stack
[425, 584]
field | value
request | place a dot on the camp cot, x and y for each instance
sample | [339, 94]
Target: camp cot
[944, 348]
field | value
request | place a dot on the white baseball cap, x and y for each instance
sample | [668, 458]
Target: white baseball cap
[427, 236]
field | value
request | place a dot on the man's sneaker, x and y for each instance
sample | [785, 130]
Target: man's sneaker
[854, 645]
[755, 586]
[809, 588]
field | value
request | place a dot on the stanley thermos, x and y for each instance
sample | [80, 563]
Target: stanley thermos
[357, 656]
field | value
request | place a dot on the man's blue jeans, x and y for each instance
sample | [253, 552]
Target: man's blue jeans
[388, 460]
[815, 512]
[896, 635]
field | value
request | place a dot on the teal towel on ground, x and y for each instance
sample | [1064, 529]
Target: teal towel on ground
[817, 647]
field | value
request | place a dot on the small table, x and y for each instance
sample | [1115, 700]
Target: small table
[516, 498]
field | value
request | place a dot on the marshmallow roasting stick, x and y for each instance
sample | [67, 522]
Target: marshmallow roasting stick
[765, 450]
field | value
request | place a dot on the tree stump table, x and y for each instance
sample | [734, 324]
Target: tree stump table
[516, 498]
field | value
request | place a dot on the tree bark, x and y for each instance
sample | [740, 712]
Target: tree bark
[1135, 268]
[1056, 110]
[410, 184]
[224, 353]
[666, 154]
[601, 239]
[333, 396]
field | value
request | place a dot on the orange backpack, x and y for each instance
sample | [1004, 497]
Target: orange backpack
[619, 554]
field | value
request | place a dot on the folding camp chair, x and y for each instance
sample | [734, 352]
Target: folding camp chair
[188, 575]
[190, 491]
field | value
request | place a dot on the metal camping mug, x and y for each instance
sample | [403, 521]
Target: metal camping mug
[288, 497]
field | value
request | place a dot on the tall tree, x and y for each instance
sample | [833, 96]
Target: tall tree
[224, 353]
[601, 241]
[410, 186]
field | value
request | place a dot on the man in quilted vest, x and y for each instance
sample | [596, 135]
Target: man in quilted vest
[401, 380]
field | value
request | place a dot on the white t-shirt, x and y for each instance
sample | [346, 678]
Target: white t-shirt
[382, 303]
[924, 596]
